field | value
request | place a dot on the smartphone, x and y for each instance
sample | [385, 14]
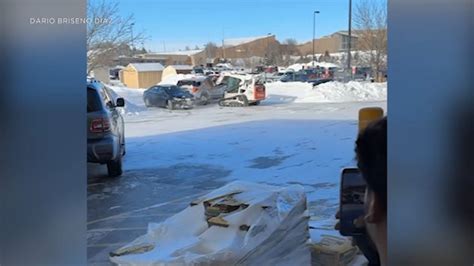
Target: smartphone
[351, 201]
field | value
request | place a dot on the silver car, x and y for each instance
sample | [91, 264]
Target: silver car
[105, 135]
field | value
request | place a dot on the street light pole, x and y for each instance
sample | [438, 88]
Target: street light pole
[350, 39]
[314, 32]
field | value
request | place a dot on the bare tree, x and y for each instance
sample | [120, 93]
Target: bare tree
[289, 48]
[326, 57]
[273, 54]
[370, 19]
[210, 50]
[108, 33]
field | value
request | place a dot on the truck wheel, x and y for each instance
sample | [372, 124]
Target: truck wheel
[204, 99]
[170, 105]
[114, 168]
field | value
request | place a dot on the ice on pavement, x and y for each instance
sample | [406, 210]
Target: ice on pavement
[274, 221]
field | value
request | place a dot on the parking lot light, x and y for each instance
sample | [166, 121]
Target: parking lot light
[314, 32]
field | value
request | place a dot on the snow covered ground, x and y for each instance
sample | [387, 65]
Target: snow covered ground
[299, 135]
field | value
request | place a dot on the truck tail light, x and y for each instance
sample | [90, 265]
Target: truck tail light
[100, 125]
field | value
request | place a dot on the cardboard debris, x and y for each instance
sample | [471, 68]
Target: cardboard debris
[134, 249]
[218, 221]
[333, 250]
[203, 200]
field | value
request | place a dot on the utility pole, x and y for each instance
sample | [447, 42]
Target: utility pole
[350, 40]
[223, 45]
[314, 32]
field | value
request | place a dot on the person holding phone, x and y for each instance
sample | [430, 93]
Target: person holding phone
[371, 154]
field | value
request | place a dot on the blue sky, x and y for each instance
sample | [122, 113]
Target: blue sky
[173, 25]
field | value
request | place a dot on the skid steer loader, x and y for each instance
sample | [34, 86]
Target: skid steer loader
[242, 90]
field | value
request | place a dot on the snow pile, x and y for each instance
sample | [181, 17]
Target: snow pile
[256, 225]
[173, 79]
[331, 92]
[133, 99]
[297, 67]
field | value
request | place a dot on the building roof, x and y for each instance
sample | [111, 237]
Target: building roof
[144, 67]
[239, 41]
[188, 53]
[354, 33]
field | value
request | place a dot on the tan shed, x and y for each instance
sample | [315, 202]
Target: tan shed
[141, 75]
[173, 70]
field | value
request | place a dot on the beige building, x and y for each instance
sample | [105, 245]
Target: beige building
[141, 75]
[173, 58]
[334, 43]
[239, 48]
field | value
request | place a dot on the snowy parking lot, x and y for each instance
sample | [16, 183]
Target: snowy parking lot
[298, 135]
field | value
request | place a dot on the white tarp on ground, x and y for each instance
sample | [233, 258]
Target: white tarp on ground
[272, 229]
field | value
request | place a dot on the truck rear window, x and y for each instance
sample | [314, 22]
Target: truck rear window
[93, 101]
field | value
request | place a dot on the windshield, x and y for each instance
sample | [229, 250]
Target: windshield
[232, 84]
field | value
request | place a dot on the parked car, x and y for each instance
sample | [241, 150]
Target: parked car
[168, 96]
[294, 76]
[362, 73]
[106, 131]
[202, 88]
[272, 77]
[198, 70]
